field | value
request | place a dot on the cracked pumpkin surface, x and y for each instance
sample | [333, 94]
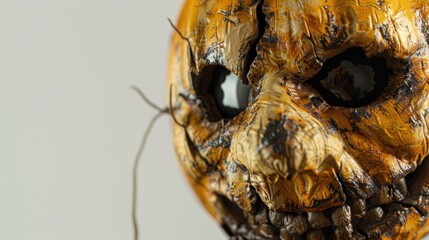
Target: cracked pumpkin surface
[332, 139]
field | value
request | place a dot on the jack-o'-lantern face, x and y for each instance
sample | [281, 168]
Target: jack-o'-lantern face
[305, 118]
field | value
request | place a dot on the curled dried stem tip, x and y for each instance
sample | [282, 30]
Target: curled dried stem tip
[177, 30]
[184, 38]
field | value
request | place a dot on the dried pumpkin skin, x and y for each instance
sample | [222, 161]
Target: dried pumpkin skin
[331, 142]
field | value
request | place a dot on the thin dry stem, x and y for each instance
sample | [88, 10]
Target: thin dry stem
[161, 111]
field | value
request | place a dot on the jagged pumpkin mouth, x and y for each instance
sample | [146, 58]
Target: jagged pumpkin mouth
[392, 206]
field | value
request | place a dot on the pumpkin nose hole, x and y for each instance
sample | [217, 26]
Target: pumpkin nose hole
[351, 79]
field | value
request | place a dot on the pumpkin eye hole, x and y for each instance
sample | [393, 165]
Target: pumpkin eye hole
[351, 79]
[222, 92]
[230, 94]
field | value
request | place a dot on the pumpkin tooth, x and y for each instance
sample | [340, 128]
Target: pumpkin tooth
[373, 216]
[295, 224]
[318, 220]
[343, 232]
[341, 216]
[358, 208]
[396, 214]
[381, 197]
[276, 218]
[267, 230]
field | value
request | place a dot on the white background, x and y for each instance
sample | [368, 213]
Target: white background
[70, 126]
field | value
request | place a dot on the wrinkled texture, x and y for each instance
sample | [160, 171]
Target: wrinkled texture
[327, 171]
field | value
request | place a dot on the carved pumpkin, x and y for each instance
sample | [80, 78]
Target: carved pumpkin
[305, 118]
